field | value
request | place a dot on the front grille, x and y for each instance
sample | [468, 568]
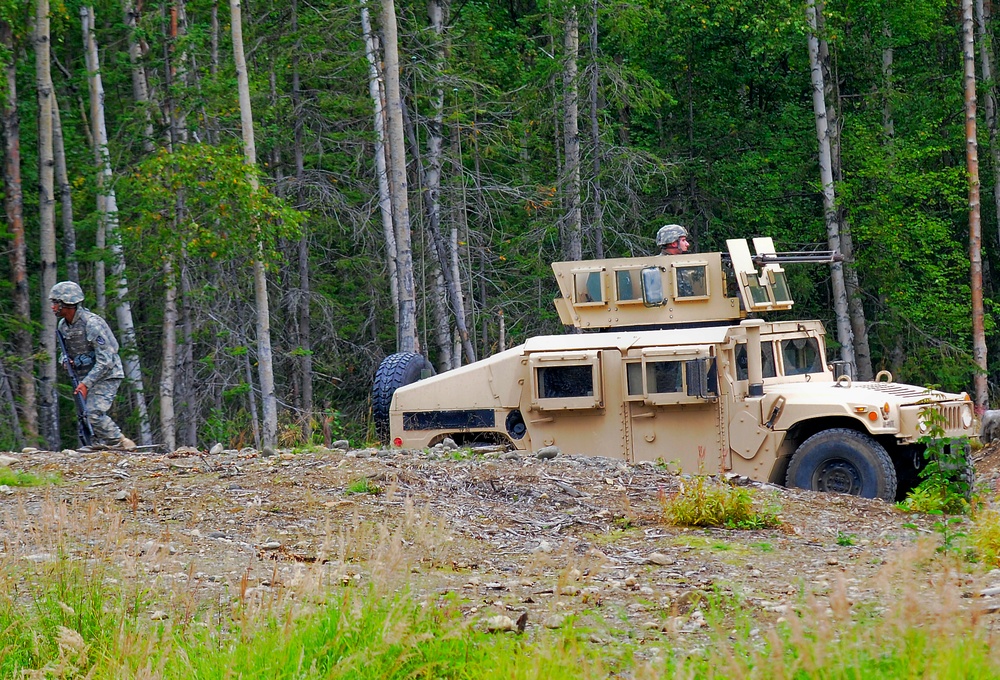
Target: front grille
[952, 414]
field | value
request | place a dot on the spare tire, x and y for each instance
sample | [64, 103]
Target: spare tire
[396, 370]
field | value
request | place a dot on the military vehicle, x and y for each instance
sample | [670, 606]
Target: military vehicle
[671, 363]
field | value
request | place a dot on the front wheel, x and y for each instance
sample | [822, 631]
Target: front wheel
[841, 460]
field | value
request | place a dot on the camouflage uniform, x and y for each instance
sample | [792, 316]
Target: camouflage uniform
[94, 351]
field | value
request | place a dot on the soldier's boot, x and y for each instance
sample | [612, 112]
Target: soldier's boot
[123, 443]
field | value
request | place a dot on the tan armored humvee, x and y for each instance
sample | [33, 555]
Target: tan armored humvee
[675, 370]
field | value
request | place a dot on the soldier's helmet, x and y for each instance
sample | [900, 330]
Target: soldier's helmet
[670, 233]
[67, 293]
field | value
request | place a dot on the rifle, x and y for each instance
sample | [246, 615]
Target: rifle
[83, 427]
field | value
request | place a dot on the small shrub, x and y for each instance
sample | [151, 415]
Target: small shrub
[364, 486]
[10, 477]
[845, 540]
[946, 479]
[985, 537]
[703, 503]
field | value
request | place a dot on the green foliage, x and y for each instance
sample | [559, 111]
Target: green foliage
[946, 478]
[985, 537]
[845, 540]
[224, 215]
[10, 477]
[701, 502]
[365, 486]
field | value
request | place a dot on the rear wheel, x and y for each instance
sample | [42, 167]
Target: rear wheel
[395, 371]
[841, 460]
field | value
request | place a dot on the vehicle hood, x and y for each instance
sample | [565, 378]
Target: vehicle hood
[897, 394]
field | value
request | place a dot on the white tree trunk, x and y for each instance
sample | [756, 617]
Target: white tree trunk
[975, 226]
[597, 228]
[573, 245]
[384, 196]
[65, 194]
[855, 305]
[265, 360]
[845, 335]
[304, 302]
[987, 62]
[448, 252]
[14, 209]
[46, 226]
[168, 421]
[398, 184]
[123, 310]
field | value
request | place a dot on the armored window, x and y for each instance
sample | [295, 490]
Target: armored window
[566, 380]
[766, 360]
[691, 281]
[628, 285]
[671, 376]
[665, 376]
[559, 382]
[588, 287]
[779, 285]
[800, 356]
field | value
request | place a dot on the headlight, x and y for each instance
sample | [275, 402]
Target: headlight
[966, 416]
[922, 424]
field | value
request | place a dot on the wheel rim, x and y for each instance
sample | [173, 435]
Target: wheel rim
[838, 476]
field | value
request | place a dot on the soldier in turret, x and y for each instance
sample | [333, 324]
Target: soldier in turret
[93, 352]
[672, 239]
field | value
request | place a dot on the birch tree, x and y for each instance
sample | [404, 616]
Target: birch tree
[375, 91]
[305, 360]
[987, 61]
[265, 360]
[855, 305]
[65, 194]
[108, 215]
[14, 208]
[975, 226]
[573, 221]
[597, 227]
[46, 226]
[447, 252]
[845, 335]
[398, 185]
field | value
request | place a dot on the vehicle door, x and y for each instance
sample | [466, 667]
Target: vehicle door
[672, 406]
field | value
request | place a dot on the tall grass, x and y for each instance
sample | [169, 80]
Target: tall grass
[63, 620]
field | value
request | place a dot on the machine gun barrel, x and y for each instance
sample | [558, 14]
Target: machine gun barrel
[83, 427]
[816, 256]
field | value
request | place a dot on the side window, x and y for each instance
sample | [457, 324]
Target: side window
[691, 281]
[800, 356]
[665, 376]
[673, 381]
[566, 380]
[560, 382]
[633, 376]
[766, 360]
[588, 287]
[628, 286]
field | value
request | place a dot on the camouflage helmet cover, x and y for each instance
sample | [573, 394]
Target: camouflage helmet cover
[67, 293]
[670, 233]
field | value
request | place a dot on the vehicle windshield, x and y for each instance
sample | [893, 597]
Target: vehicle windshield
[766, 360]
[801, 356]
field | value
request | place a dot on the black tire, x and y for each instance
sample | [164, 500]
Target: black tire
[395, 371]
[843, 461]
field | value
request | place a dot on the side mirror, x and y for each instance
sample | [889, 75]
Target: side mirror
[652, 287]
[840, 369]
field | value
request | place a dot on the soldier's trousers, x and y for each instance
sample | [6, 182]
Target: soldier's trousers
[99, 400]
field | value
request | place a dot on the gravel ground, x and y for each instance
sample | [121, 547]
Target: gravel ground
[523, 542]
